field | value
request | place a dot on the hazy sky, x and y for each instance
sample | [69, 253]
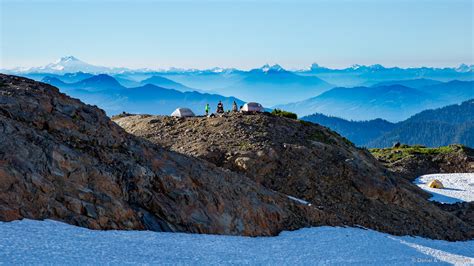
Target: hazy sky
[242, 34]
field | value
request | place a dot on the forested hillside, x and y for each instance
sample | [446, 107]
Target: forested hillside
[438, 127]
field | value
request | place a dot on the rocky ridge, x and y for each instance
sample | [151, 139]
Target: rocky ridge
[309, 162]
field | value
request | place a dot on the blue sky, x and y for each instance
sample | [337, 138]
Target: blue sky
[243, 34]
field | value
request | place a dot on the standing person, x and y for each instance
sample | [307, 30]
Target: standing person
[207, 109]
[234, 107]
[220, 108]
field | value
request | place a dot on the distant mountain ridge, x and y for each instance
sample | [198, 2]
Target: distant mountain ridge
[412, 83]
[106, 92]
[283, 86]
[374, 91]
[166, 83]
[60, 79]
[453, 124]
[66, 77]
[68, 64]
[360, 75]
[359, 132]
[253, 85]
[393, 102]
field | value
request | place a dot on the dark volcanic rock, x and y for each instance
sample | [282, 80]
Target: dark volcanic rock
[61, 159]
[306, 161]
[463, 210]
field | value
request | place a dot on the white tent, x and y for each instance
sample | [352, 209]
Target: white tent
[183, 112]
[252, 107]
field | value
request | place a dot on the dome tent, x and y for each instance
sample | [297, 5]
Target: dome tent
[252, 107]
[183, 112]
[435, 184]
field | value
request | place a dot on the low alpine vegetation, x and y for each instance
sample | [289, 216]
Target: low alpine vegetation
[397, 153]
[284, 113]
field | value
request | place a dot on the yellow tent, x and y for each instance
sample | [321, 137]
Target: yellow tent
[436, 184]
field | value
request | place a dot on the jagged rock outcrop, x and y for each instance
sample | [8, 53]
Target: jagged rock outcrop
[61, 159]
[414, 161]
[306, 161]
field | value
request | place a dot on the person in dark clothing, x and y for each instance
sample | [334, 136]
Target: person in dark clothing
[220, 108]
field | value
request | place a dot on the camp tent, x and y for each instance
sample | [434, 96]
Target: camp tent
[435, 184]
[183, 112]
[252, 107]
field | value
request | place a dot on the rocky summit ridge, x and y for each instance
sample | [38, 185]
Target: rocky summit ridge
[306, 161]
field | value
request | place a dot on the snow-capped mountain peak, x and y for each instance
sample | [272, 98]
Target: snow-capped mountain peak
[267, 67]
[376, 66]
[217, 70]
[465, 68]
[67, 59]
[315, 67]
[365, 67]
[69, 64]
[355, 66]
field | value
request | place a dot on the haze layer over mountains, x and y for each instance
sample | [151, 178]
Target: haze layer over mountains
[354, 93]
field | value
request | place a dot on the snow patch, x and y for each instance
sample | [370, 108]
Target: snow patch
[52, 242]
[457, 187]
[299, 200]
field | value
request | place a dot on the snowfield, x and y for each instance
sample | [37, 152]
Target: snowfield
[52, 242]
[457, 187]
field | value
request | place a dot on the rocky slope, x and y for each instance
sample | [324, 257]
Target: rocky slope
[414, 161]
[61, 159]
[306, 161]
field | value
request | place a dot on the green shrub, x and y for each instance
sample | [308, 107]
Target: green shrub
[283, 113]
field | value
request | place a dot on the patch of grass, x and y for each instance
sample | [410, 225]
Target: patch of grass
[283, 113]
[319, 136]
[306, 123]
[395, 154]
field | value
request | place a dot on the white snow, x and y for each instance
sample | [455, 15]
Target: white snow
[299, 200]
[217, 70]
[267, 67]
[457, 187]
[52, 242]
